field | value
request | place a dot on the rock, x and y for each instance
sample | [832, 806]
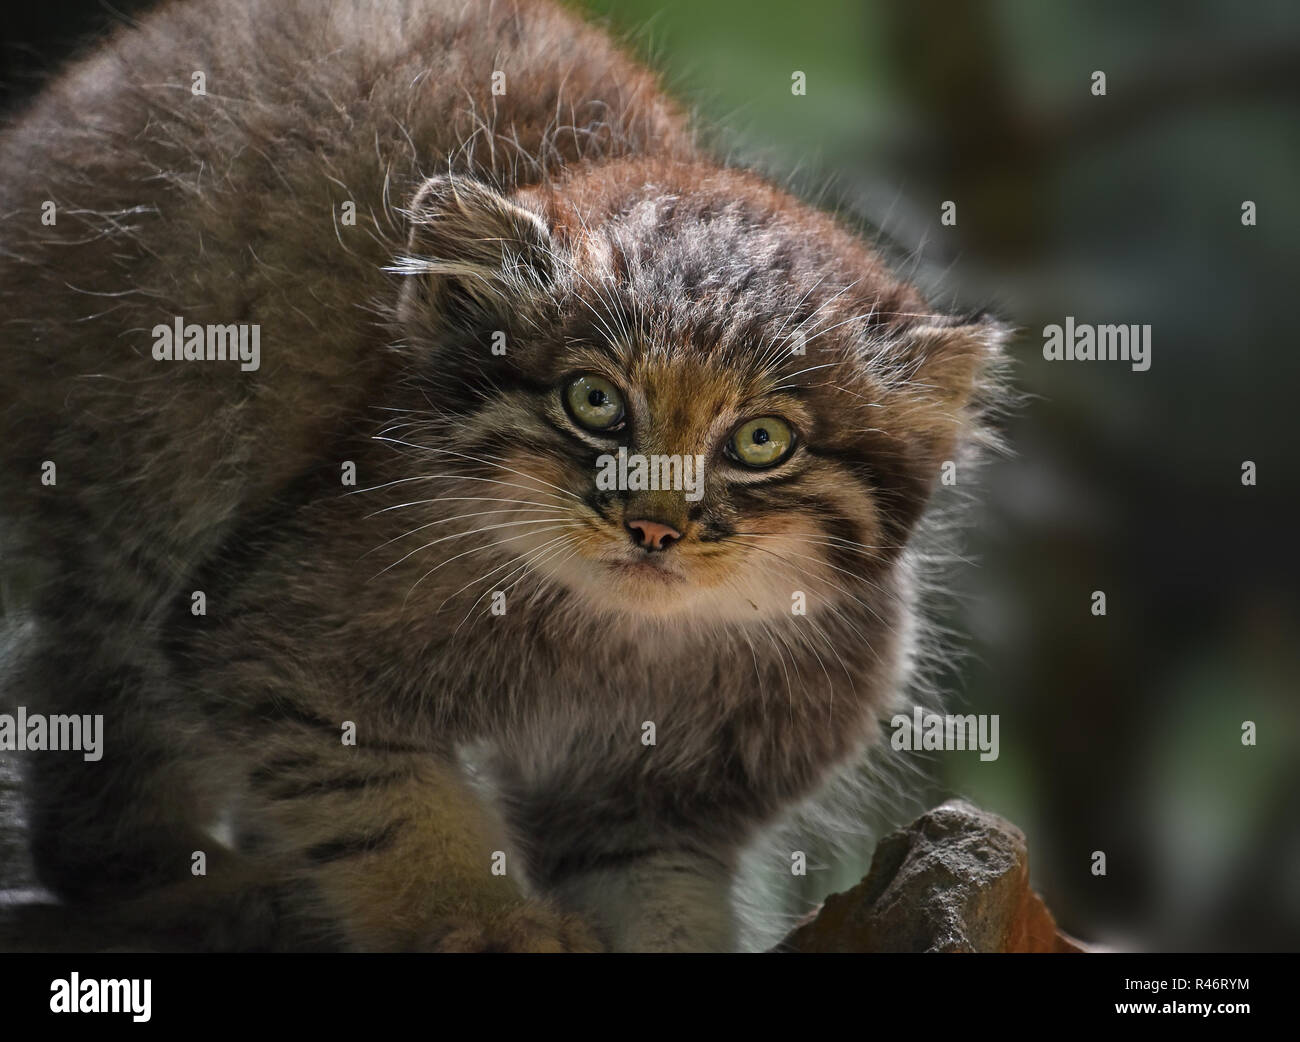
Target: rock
[955, 880]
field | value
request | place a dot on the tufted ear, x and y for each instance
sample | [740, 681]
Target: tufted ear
[473, 255]
[951, 374]
[942, 386]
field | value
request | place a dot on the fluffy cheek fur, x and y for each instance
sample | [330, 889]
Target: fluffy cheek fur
[808, 545]
[802, 552]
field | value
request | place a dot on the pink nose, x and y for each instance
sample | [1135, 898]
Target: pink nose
[652, 535]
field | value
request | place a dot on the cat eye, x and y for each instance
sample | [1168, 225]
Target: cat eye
[761, 443]
[594, 403]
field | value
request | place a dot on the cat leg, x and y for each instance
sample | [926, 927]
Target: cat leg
[645, 876]
[392, 850]
[655, 901]
[126, 819]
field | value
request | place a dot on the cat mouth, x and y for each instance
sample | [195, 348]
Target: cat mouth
[648, 569]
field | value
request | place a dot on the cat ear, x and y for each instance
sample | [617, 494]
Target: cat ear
[942, 389]
[473, 255]
[951, 371]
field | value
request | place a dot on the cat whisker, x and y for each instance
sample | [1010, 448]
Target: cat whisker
[463, 499]
[810, 369]
[776, 337]
[768, 361]
[461, 535]
[532, 559]
[870, 405]
[790, 569]
[460, 517]
[455, 477]
[829, 540]
[847, 546]
[815, 578]
[532, 553]
[608, 297]
[845, 571]
[574, 550]
[789, 689]
[478, 549]
[488, 463]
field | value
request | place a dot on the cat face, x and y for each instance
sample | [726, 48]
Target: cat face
[707, 399]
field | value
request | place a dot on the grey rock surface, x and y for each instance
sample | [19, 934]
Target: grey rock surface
[955, 880]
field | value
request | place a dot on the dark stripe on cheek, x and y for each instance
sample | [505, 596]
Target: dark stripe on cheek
[766, 499]
[274, 770]
[841, 528]
[293, 790]
[863, 469]
[600, 503]
[289, 713]
[900, 490]
[352, 846]
[850, 559]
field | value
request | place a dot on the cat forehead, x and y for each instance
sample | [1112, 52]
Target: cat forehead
[711, 379]
[712, 243]
[724, 281]
[705, 242]
[696, 394]
[691, 294]
[645, 321]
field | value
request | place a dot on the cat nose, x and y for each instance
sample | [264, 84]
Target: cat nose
[652, 535]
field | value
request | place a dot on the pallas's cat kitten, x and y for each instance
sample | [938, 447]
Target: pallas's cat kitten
[390, 387]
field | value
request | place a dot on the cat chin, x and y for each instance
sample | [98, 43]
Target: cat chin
[628, 587]
[643, 590]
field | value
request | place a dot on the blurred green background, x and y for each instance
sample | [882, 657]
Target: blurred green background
[1121, 733]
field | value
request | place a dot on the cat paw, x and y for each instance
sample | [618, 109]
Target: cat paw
[529, 927]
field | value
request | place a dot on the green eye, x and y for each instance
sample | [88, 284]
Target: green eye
[764, 442]
[594, 402]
